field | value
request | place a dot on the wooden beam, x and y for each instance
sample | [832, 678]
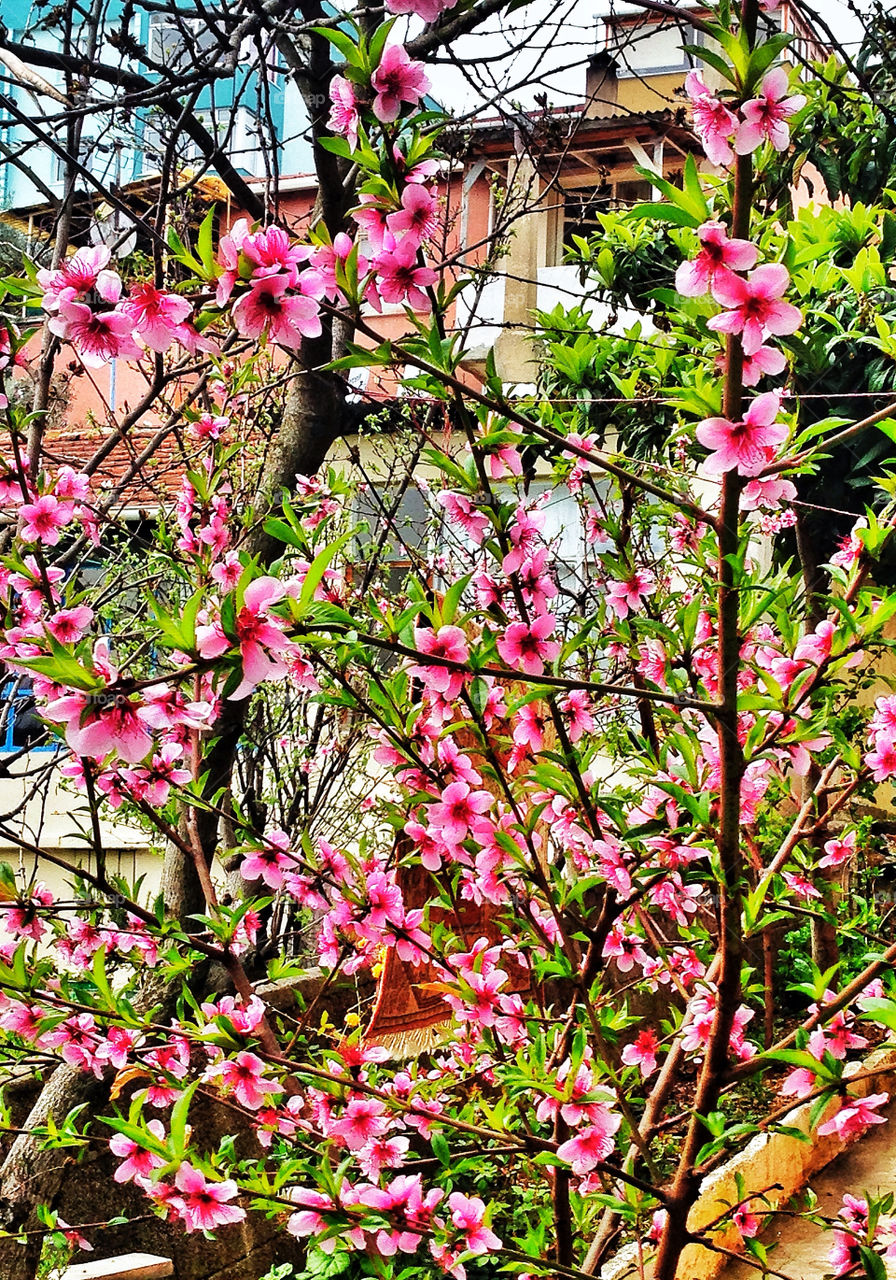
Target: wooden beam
[128, 1266]
[588, 161]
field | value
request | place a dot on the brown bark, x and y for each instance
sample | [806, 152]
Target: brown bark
[685, 1184]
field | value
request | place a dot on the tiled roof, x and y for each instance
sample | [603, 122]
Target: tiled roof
[144, 481]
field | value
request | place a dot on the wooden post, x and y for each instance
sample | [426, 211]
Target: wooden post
[128, 1266]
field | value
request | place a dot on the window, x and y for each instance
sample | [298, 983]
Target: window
[651, 47]
[176, 44]
[20, 726]
[582, 206]
[398, 529]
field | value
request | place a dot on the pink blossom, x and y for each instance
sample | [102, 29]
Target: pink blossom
[766, 116]
[592, 1144]
[228, 260]
[326, 259]
[449, 643]
[77, 1040]
[746, 446]
[84, 272]
[68, 625]
[627, 949]
[838, 851]
[578, 707]
[767, 494]
[203, 1205]
[468, 1215]
[458, 809]
[695, 277]
[24, 919]
[97, 336]
[628, 595]
[747, 1223]
[72, 484]
[642, 1053]
[285, 317]
[73, 1236]
[396, 80]
[767, 361]
[417, 220]
[43, 519]
[25, 1020]
[155, 315]
[344, 118]
[526, 645]
[535, 581]
[308, 1221]
[428, 10]
[242, 1076]
[404, 1203]
[261, 638]
[382, 1153]
[855, 1116]
[121, 1041]
[843, 1254]
[362, 1121]
[271, 252]
[108, 722]
[714, 124]
[462, 512]
[816, 646]
[652, 662]
[370, 216]
[400, 278]
[138, 1161]
[153, 784]
[754, 305]
[800, 885]
[799, 1083]
[269, 862]
[882, 760]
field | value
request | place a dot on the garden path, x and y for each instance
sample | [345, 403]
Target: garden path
[802, 1248]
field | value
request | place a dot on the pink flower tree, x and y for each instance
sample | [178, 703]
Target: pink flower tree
[574, 809]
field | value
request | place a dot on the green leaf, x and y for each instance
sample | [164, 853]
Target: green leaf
[341, 41]
[764, 55]
[872, 1263]
[177, 1128]
[100, 979]
[204, 244]
[319, 566]
[712, 59]
[62, 668]
[283, 532]
[452, 598]
[879, 1009]
[378, 41]
[663, 212]
[441, 1150]
[182, 253]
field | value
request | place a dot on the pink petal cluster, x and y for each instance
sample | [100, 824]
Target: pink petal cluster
[753, 306]
[203, 1205]
[397, 80]
[766, 116]
[714, 124]
[746, 446]
[723, 132]
[716, 252]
